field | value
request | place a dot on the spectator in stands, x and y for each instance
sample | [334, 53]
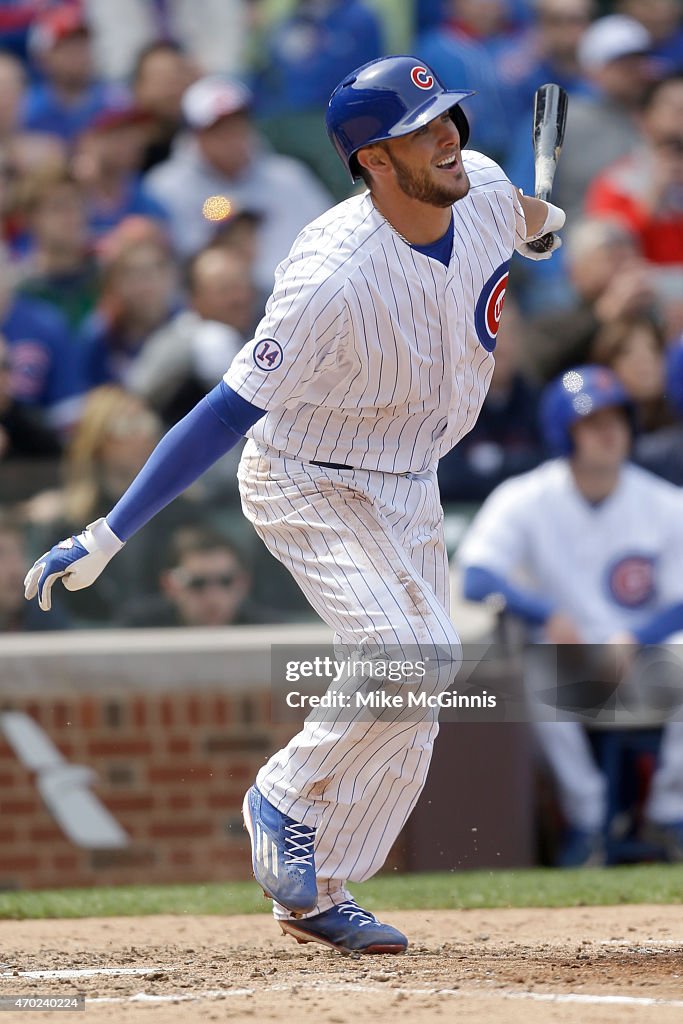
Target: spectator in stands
[661, 451]
[46, 372]
[22, 434]
[633, 347]
[239, 233]
[223, 159]
[12, 89]
[490, 22]
[309, 51]
[603, 128]
[622, 530]
[161, 75]
[212, 32]
[69, 96]
[16, 17]
[461, 61]
[111, 443]
[546, 52]
[15, 615]
[204, 584]
[645, 188]
[21, 152]
[610, 280]
[505, 439]
[188, 356]
[61, 268]
[107, 160]
[662, 19]
[138, 295]
[651, 373]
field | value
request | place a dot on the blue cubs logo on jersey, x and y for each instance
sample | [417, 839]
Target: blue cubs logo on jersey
[268, 354]
[631, 580]
[421, 77]
[489, 308]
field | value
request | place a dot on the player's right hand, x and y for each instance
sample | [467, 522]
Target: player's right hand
[554, 220]
[78, 561]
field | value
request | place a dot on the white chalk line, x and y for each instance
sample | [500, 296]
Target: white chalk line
[84, 972]
[545, 997]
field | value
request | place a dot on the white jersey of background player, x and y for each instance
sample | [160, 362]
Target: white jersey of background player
[587, 548]
[372, 360]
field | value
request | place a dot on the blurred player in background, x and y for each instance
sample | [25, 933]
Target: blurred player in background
[598, 546]
[373, 360]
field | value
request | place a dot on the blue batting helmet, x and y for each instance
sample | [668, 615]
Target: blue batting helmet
[385, 99]
[575, 394]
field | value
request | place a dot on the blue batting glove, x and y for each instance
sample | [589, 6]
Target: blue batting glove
[78, 561]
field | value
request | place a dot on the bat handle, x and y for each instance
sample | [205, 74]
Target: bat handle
[542, 244]
[545, 242]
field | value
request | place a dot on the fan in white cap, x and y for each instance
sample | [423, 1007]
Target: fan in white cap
[213, 97]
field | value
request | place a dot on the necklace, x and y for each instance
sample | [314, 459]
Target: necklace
[387, 222]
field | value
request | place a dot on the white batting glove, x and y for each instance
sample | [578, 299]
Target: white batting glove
[553, 222]
[78, 561]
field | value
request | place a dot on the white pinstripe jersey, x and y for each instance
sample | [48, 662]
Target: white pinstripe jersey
[372, 354]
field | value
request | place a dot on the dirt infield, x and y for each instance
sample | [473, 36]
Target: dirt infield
[589, 964]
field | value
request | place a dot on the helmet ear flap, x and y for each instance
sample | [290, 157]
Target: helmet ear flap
[461, 123]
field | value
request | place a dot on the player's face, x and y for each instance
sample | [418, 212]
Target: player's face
[602, 440]
[428, 165]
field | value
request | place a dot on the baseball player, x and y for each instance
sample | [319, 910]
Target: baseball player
[372, 360]
[599, 544]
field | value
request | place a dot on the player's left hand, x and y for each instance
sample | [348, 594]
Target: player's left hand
[553, 222]
[78, 561]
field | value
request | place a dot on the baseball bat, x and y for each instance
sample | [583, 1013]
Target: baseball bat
[550, 118]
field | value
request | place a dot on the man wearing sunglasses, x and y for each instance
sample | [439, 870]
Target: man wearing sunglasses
[204, 584]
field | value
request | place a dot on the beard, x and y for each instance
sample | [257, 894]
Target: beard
[422, 186]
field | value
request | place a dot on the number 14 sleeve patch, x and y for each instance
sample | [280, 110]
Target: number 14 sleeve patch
[268, 354]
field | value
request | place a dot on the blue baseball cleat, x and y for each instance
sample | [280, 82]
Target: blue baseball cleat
[282, 854]
[349, 929]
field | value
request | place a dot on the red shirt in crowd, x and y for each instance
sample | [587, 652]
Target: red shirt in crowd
[624, 190]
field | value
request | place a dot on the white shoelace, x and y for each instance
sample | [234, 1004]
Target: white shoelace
[353, 910]
[299, 840]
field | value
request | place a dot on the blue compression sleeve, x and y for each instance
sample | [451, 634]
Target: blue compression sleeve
[212, 428]
[662, 624]
[480, 583]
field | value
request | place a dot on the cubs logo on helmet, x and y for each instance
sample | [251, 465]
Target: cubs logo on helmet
[421, 77]
[631, 581]
[489, 308]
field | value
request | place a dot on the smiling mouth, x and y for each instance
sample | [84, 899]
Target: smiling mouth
[448, 163]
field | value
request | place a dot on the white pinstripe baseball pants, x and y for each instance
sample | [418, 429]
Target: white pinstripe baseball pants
[367, 550]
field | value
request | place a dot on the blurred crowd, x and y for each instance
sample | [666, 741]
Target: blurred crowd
[157, 159]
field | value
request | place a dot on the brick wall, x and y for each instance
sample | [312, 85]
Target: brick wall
[172, 769]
